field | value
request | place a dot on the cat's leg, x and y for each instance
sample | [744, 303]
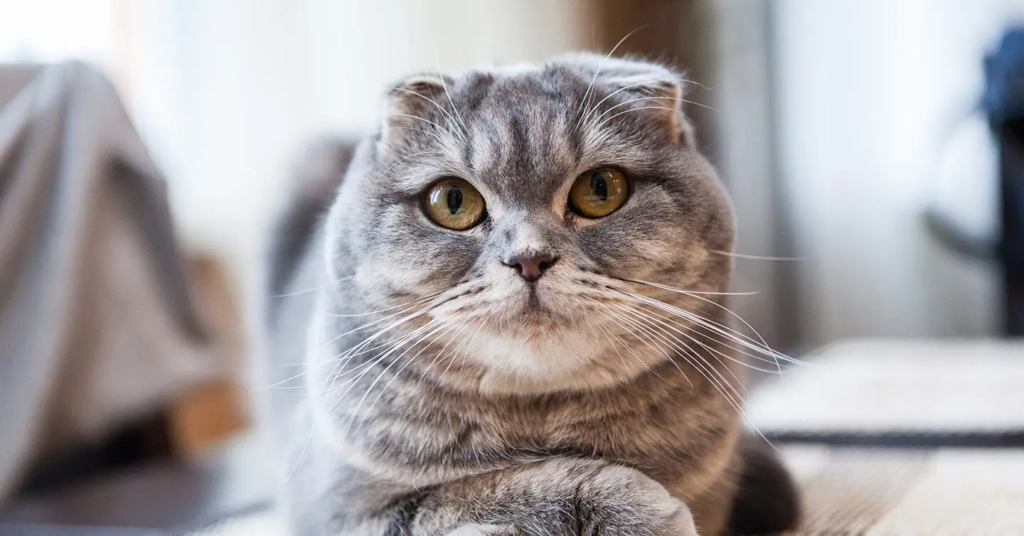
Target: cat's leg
[554, 497]
[557, 496]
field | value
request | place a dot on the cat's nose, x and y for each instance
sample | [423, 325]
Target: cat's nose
[530, 266]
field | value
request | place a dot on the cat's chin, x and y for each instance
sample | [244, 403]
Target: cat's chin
[532, 355]
[506, 380]
[535, 324]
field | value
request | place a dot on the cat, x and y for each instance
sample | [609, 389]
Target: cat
[503, 314]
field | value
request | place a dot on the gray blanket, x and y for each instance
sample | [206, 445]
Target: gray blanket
[96, 321]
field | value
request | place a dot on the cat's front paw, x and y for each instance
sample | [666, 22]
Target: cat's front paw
[678, 524]
[671, 518]
[633, 503]
[483, 530]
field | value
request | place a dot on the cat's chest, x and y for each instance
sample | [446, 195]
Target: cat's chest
[586, 428]
[463, 433]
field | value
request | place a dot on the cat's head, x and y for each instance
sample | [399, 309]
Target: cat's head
[518, 207]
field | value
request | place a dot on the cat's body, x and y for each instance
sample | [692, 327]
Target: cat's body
[515, 377]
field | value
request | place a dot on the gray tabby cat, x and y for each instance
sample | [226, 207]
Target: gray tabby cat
[508, 319]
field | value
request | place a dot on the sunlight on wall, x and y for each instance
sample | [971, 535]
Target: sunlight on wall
[57, 30]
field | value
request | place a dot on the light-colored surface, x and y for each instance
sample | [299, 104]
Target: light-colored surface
[893, 386]
[962, 492]
[265, 523]
[908, 493]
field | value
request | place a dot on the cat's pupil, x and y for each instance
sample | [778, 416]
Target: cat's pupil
[599, 186]
[454, 200]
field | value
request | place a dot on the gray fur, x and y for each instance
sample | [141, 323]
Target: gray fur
[512, 407]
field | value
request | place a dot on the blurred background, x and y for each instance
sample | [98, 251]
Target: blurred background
[838, 128]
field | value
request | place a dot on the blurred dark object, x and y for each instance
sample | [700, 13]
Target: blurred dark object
[1003, 106]
[131, 444]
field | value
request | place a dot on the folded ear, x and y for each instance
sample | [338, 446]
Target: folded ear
[659, 94]
[415, 107]
[635, 86]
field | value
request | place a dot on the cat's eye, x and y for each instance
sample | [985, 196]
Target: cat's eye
[453, 203]
[598, 192]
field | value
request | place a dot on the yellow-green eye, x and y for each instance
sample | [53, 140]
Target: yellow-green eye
[454, 204]
[598, 192]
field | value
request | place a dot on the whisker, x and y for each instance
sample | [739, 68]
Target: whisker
[458, 333]
[720, 329]
[590, 113]
[697, 295]
[314, 289]
[681, 348]
[418, 118]
[756, 257]
[350, 383]
[308, 368]
[597, 72]
[455, 109]
[403, 159]
[723, 386]
[401, 321]
[448, 117]
[645, 338]
[646, 328]
[685, 291]
[468, 343]
[637, 109]
[445, 328]
[434, 135]
[416, 301]
[641, 99]
[361, 348]
[667, 322]
[763, 348]
[341, 361]
[338, 371]
[616, 340]
[630, 332]
[747, 324]
[691, 355]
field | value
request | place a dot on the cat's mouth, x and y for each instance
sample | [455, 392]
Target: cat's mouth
[527, 309]
[533, 303]
[540, 307]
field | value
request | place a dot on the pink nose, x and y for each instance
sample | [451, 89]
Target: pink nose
[531, 266]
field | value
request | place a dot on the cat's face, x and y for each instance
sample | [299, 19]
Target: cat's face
[528, 198]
